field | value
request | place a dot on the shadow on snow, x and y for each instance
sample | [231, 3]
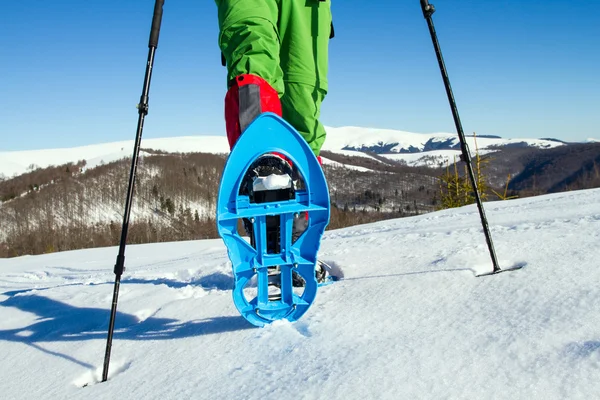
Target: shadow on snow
[215, 281]
[61, 322]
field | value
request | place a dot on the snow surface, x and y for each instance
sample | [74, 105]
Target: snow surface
[108, 158]
[433, 158]
[354, 153]
[409, 320]
[336, 164]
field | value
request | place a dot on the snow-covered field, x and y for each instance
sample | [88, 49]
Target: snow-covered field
[409, 320]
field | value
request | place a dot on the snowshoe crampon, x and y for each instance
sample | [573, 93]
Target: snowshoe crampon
[254, 262]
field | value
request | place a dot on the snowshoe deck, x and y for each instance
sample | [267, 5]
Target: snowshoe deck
[271, 134]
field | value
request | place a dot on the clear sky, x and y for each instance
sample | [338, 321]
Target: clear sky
[71, 71]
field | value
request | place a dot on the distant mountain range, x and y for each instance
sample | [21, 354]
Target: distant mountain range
[385, 141]
[415, 149]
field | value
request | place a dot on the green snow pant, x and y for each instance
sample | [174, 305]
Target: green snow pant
[285, 42]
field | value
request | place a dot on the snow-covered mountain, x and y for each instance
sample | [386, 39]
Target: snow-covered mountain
[18, 162]
[413, 148]
[384, 141]
[409, 320]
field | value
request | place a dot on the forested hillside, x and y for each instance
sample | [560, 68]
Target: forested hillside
[70, 207]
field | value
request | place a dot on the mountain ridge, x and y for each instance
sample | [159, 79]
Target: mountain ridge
[339, 140]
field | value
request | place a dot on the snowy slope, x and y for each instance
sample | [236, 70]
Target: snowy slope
[433, 158]
[17, 162]
[409, 321]
[398, 141]
[336, 164]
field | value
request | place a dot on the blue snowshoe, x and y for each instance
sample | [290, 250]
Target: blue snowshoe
[283, 210]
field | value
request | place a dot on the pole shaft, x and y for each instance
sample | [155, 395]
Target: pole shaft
[428, 10]
[142, 112]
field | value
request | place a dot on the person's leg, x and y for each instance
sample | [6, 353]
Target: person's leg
[304, 30]
[249, 41]
[301, 106]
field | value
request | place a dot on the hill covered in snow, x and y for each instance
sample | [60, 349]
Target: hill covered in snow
[346, 140]
[386, 141]
[409, 320]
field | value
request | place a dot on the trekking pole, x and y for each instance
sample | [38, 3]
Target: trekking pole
[142, 112]
[428, 10]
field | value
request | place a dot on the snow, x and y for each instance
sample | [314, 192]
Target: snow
[336, 164]
[351, 136]
[409, 320]
[435, 158]
[356, 137]
[355, 153]
[17, 162]
[108, 158]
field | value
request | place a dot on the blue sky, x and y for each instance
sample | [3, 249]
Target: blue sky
[71, 71]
